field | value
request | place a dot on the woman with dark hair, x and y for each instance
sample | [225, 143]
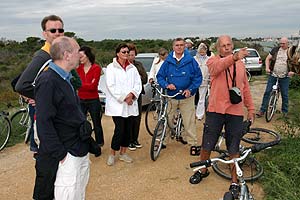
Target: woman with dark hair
[123, 89]
[89, 73]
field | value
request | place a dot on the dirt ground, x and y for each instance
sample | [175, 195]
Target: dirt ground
[166, 178]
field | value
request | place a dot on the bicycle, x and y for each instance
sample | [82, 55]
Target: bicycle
[5, 129]
[20, 120]
[154, 111]
[162, 124]
[272, 103]
[244, 193]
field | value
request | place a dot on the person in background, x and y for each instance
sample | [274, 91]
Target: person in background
[53, 27]
[134, 142]
[189, 46]
[89, 73]
[162, 55]
[63, 154]
[180, 71]
[222, 112]
[124, 86]
[201, 58]
[276, 65]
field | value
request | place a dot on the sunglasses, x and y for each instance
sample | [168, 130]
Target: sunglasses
[123, 52]
[53, 30]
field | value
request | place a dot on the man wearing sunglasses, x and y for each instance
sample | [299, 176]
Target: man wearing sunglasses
[52, 27]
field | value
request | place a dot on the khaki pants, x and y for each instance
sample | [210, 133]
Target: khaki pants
[187, 109]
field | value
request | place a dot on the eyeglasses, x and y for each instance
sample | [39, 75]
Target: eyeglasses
[123, 52]
[54, 30]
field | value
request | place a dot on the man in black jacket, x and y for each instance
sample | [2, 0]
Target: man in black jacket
[63, 154]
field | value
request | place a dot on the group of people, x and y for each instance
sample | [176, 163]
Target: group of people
[67, 89]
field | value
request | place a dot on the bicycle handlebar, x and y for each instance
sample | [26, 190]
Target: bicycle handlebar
[254, 149]
[154, 86]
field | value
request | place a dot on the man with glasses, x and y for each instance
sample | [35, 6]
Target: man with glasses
[276, 65]
[52, 27]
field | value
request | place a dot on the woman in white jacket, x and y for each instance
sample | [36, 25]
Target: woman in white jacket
[124, 85]
[162, 53]
[202, 57]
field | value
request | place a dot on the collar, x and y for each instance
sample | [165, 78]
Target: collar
[46, 47]
[62, 73]
[177, 58]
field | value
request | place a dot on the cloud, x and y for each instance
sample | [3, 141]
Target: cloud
[134, 19]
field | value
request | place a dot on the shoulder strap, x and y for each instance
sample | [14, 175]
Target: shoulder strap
[41, 69]
[233, 78]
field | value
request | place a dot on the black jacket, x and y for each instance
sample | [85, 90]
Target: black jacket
[59, 117]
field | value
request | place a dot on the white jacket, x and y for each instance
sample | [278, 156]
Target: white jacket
[154, 69]
[120, 83]
[204, 69]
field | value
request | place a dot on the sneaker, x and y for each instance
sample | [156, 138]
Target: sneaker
[260, 114]
[163, 146]
[198, 176]
[235, 190]
[132, 147]
[110, 160]
[124, 157]
[137, 144]
[180, 139]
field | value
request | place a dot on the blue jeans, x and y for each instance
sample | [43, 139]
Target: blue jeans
[284, 89]
[33, 145]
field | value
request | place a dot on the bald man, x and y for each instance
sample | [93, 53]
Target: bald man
[276, 66]
[62, 163]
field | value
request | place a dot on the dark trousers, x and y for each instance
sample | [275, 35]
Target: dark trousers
[123, 128]
[93, 106]
[33, 145]
[46, 168]
[136, 123]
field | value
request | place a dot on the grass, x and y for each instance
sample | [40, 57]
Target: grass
[281, 179]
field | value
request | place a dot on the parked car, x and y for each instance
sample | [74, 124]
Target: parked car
[253, 61]
[147, 59]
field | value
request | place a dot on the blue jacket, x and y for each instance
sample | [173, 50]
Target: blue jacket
[185, 74]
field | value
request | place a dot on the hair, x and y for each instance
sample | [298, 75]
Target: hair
[120, 46]
[219, 38]
[132, 47]
[177, 39]
[88, 52]
[161, 52]
[204, 46]
[50, 18]
[60, 46]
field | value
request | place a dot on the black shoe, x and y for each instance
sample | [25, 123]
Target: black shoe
[137, 144]
[180, 139]
[198, 176]
[132, 147]
[235, 190]
[163, 146]
[195, 150]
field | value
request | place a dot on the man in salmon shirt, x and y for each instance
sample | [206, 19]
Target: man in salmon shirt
[221, 111]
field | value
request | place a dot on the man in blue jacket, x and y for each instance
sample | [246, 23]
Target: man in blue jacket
[180, 71]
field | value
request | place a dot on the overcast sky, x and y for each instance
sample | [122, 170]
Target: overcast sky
[153, 19]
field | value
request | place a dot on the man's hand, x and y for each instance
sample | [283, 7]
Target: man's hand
[242, 53]
[251, 117]
[171, 87]
[186, 93]
[290, 74]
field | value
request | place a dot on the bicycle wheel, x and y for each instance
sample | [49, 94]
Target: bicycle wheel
[152, 116]
[19, 122]
[157, 139]
[252, 169]
[260, 136]
[271, 108]
[5, 130]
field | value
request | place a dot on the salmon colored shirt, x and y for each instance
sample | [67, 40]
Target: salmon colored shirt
[219, 101]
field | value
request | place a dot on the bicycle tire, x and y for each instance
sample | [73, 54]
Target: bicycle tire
[19, 122]
[252, 169]
[260, 136]
[5, 131]
[271, 107]
[152, 116]
[157, 139]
